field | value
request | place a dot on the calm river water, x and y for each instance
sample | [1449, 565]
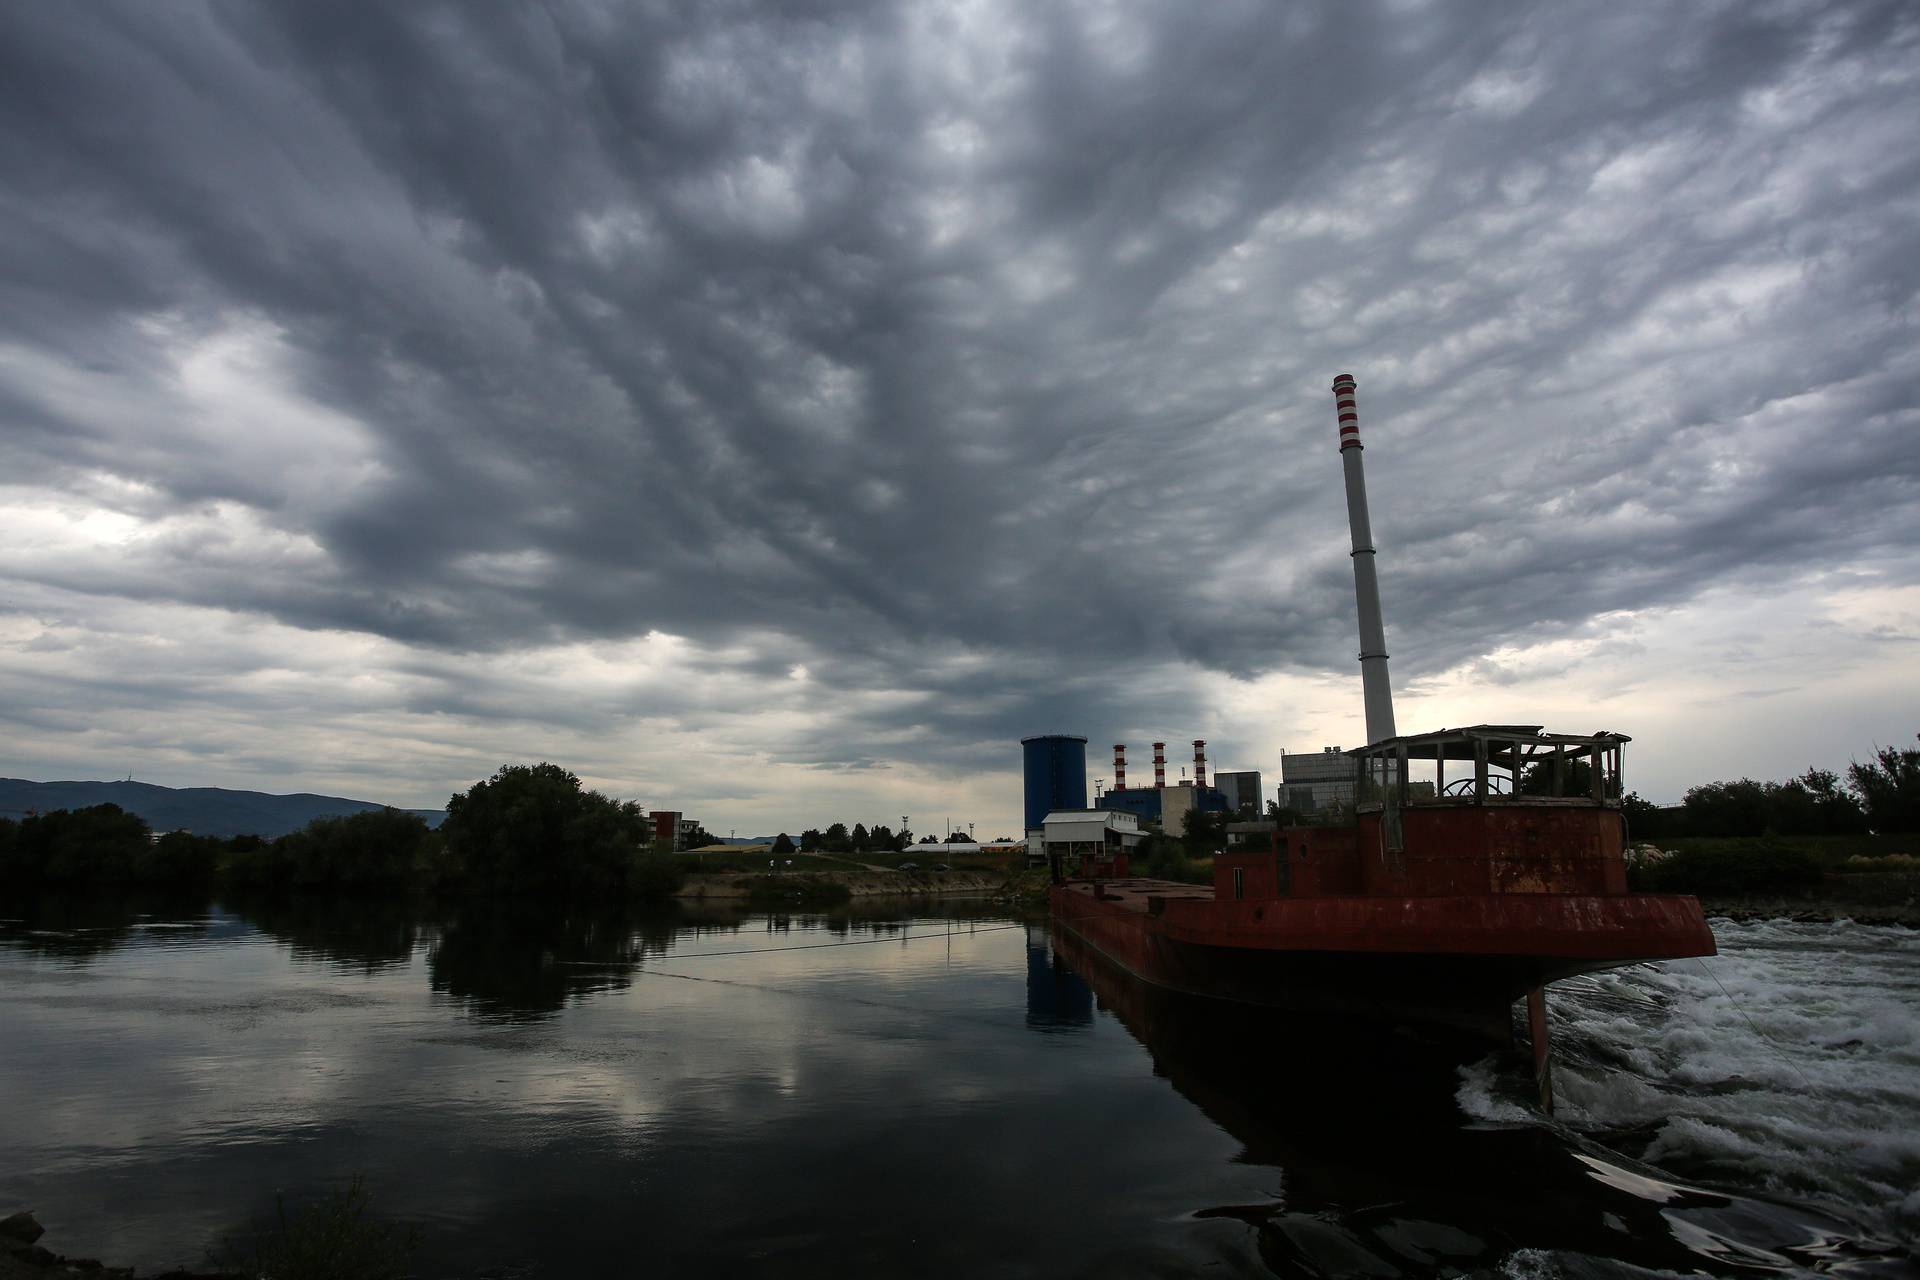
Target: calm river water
[948, 1092]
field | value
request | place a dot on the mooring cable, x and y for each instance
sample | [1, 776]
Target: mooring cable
[1758, 1034]
[902, 936]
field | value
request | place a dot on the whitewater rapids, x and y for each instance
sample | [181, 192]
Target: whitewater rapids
[1787, 1066]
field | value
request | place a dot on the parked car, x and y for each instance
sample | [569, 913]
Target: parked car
[909, 866]
[941, 866]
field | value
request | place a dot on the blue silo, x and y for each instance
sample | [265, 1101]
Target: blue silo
[1056, 775]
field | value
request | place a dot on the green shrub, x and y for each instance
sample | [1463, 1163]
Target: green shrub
[1731, 867]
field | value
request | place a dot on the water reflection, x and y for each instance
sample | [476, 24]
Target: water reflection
[1057, 997]
[1382, 1178]
[926, 1105]
[81, 928]
[524, 961]
[355, 935]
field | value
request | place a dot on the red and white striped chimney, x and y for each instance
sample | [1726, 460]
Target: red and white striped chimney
[1374, 685]
[1159, 766]
[1119, 766]
[1199, 762]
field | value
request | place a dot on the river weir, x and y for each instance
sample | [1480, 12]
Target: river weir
[944, 1090]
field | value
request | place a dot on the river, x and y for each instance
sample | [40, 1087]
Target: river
[943, 1091]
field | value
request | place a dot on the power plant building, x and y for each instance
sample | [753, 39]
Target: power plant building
[1055, 775]
[1312, 781]
[1242, 790]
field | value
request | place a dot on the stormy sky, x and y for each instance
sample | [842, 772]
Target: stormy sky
[774, 411]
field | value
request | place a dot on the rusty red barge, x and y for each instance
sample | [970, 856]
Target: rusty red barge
[1476, 866]
[1441, 902]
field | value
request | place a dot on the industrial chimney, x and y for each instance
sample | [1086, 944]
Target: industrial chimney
[1199, 762]
[1366, 585]
[1119, 766]
[1159, 766]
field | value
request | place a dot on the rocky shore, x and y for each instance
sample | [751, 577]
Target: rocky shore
[23, 1257]
[1864, 898]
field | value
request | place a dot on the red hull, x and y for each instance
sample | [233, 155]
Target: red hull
[1457, 960]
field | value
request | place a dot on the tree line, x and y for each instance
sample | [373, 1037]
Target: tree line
[837, 838]
[1880, 795]
[527, 830]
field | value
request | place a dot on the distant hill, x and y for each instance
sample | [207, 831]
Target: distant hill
[206, 811]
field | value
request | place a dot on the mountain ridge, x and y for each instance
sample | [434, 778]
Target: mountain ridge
[207, 811]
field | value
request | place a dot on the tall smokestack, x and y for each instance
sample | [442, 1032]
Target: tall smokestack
[1119, 766]
[1366, 585]
[1199, 762]
[1159, 766]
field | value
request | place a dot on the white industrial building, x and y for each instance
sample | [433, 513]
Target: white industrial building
[1100, 832]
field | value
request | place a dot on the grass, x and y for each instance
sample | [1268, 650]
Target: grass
[1833, 853]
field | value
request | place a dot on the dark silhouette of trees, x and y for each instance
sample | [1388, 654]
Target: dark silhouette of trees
[378, 849]
[782, 845]
[101, 844]
[1889, 789]
[534, 828]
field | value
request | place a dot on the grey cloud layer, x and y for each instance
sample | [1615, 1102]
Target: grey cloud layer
[868, 336]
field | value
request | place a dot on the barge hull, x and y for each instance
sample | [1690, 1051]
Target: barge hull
[1453, 962]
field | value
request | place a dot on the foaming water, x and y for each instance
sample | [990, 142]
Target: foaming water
[1787, 1066]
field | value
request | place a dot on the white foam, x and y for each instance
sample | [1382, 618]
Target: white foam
[1789, 1063]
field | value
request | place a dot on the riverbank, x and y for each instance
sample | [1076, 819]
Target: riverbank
[23, 1257]
[812, 887]
[1864, 898]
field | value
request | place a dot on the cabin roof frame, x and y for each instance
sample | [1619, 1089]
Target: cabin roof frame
[1381, 767]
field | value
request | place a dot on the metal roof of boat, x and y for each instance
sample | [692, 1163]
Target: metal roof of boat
[1437, 742]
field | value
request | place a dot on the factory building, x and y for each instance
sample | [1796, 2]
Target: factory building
[1056, 778]
[1098, 833]
[1312, 781]
[1242, 790]
[1161, 805]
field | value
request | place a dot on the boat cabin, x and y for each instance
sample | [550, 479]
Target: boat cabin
[1487, 809]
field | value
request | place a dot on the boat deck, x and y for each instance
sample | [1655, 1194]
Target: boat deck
[1132, 894]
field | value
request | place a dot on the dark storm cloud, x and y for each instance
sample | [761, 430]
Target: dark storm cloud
[870, 337]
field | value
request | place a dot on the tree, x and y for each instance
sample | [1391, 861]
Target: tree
[810, 839]
[1737, 808]
[1286, 817]
[101, 844]
[535, 828]
[378, 847]
[880, 838]
[1645, 819]
[182, 858]
[859, 837]
[1813, 804]
[1206, 831]
[782, 845]
[836, 839]
[960, 837]
[1889, 789]
[929, 839]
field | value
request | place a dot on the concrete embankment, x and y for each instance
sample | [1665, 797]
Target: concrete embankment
[843, 884]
